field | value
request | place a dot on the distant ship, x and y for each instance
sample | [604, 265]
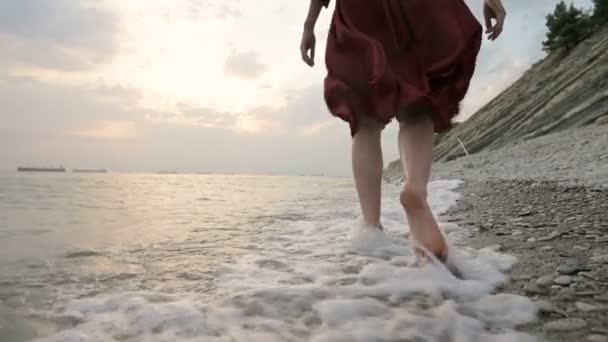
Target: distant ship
[41, 169]
[90, 170]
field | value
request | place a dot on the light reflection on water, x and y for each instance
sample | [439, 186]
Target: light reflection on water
[75, 235]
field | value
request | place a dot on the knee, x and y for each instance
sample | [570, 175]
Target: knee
[370, 126]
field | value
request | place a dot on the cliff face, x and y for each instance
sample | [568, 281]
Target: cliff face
[557, 93]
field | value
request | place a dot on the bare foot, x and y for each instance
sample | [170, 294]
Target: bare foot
[423, 227]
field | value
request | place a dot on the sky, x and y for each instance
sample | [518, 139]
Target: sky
[196, 85]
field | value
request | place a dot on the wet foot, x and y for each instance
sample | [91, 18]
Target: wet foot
[423, 227]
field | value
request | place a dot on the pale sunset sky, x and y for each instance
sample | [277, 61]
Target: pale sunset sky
[195, 85]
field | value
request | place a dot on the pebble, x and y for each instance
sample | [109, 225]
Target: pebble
[517, 232]
[550, 236]
[545, 306]
[602, 259]
[602, 298]
[596, 338]
[532, 239]
[565, 324]
[601, 239]
[546, 248]
[563, 280]
[587, 307]
[533, 289]
[571, 268]
[545, 280]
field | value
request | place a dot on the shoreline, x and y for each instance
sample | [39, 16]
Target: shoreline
[559, 233]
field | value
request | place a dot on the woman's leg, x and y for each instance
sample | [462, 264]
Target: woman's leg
[367, 169]
[416, 150]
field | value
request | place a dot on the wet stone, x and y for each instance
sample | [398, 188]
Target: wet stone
[545, 280]
[563, 280]
[601, 259]
[587, 307]
[565, 324]
[533, 289]
[596, 338]
[571, 268]
[546, 248]
[602, 298]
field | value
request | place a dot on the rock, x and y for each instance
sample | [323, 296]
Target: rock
[533, 289]
[545, 306]
[532, 239]
[601, 239]
[565, 296]
[602, 298]
[602, 120]
[571, 268]
[545, 280]
[597, 337]
[546, 248]
[565, 324]
[522, 277]
[563, 280]
[551, 236]
[602, 258]
[587, 307]
[517, 232]
[525, 213]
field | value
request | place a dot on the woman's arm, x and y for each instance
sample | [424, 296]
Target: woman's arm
[308, 36]
[313, 14]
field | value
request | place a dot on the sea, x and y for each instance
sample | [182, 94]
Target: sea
[193, 257]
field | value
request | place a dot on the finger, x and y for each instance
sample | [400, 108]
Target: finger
[312, 53]
[488, 22]
[305, 57]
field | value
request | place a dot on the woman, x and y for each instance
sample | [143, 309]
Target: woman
[409, 59]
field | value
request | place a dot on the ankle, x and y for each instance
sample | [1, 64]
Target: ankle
[413, 197]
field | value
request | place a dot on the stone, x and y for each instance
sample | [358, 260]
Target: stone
[550, 236]
[596, 338]
[571, 268]
[517, 232]
[563, 280]
[547, 307]
[601, 259]
[587, 307]
[532, 239]
[533, 289]
[546, 248]
[525, 213]
[602, 298]
[545, 280]
[602, 120]
[565, 324]
[602, 239]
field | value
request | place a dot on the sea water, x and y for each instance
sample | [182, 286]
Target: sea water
[135, 257]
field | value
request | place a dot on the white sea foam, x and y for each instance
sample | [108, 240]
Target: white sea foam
[313, 281]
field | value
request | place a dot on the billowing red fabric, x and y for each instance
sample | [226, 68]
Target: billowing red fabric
[386, 55]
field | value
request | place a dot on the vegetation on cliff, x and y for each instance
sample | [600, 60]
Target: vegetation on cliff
[568, 25]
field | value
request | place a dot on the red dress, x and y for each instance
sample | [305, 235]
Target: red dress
[386, 55]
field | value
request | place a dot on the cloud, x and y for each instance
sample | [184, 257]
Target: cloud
[245, 64]
[226, 9]
[60, 34]
[110, 130]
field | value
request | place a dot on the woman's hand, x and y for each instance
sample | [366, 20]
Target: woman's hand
[307, 46]
[492, 9]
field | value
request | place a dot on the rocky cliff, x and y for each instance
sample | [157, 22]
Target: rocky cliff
[559, 92]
